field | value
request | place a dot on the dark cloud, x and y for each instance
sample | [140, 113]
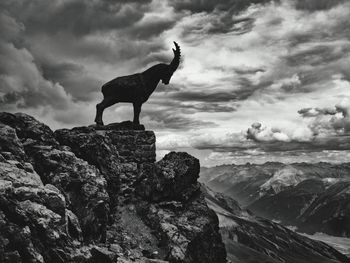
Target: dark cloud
[316, 5]
[210, 107]
[316, 55]
[315, 145]
[195, 106]
[314, 112]
[77, 16]
[152, 27]
[248, 71]
[172, 119]
[197, 6]
[10, 98]
[259, 133]
[222, 16]
[218, 23]
[10, 29]
[104, 31]
[28, 98]
[204, 96]
[21, 82]
[214, 96]
[73, 78]
[227, 24]
[120, 51]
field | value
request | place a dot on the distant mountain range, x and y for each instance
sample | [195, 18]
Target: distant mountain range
[314, 197]
[251, 239]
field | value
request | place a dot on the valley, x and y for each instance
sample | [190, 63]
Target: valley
[310, 199]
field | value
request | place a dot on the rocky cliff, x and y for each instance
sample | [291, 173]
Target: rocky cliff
[96, 194]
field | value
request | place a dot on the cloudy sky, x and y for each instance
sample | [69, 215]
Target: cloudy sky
[258, 81]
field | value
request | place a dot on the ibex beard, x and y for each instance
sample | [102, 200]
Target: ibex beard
[136, 88]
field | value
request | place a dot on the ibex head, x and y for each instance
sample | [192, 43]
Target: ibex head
[173, 65]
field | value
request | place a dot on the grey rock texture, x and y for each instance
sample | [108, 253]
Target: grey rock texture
[96, 194]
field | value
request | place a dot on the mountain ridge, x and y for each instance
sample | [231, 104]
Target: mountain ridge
[298, 194]
[250, 238]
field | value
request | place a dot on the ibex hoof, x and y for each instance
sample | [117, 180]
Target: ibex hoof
[99, 123]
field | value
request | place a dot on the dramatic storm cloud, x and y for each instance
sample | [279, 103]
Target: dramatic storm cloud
[248, 68]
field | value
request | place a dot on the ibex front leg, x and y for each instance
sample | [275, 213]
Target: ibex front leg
[101, 107]
[137, 110]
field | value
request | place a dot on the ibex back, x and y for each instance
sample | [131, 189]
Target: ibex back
[136, 88]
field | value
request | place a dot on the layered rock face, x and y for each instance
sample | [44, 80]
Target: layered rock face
[96, 194]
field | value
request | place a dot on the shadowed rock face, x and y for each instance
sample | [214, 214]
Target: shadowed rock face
[329, 212]
[95, 194]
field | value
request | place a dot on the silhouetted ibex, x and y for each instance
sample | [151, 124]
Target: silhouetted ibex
[136, 88]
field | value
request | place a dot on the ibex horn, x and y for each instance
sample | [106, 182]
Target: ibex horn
[177, 54]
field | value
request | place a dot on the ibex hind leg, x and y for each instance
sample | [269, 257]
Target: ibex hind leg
[99, 111]
[100, 107]
[137, 110]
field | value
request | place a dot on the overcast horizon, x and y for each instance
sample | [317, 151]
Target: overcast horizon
[258, 80]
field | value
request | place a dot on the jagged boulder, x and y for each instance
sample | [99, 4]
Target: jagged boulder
[188, 232]
[172, 178]
[28, 127]
[10, 145]
[32, 216]
[19, 174]
[82, 184]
